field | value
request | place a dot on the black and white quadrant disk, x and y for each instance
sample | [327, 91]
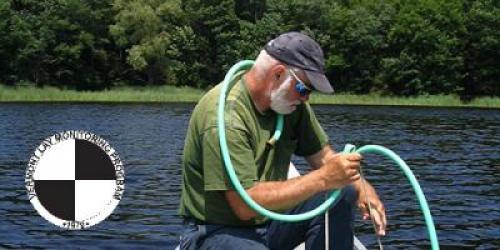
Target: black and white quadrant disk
[75, 184]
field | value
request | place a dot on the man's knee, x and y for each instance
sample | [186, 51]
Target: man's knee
[350, 195]
[346, 200]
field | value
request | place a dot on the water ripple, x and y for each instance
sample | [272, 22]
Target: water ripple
[454, 153]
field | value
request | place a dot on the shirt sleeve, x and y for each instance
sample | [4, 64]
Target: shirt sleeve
[241, 154]
[310, 135]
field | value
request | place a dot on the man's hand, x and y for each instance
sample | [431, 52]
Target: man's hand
[377, 208]
[340, 170]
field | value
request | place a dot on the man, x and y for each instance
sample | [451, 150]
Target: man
[284, 74]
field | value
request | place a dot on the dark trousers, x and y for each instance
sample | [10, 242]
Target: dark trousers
[281, 235]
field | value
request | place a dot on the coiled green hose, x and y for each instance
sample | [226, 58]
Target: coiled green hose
[246, 64]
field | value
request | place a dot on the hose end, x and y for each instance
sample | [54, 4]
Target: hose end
[349, 148]
[271, 142]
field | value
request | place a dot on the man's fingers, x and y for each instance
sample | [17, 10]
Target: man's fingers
[353, 174]
[378, 217]
[364, 210]
[384, 217]
[355, 177]
[381, 210]
[354, 157]
[353, 166]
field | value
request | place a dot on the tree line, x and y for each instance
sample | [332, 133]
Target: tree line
[395, 47]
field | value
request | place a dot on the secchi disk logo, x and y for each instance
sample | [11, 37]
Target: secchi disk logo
[75, 179]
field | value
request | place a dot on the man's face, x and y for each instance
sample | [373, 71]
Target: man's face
[285, 98]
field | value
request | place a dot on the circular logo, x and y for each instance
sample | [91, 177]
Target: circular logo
[75, 179]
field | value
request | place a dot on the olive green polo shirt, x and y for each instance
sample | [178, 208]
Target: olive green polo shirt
[254, 160]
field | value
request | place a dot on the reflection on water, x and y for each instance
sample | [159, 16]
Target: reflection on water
[455, 154]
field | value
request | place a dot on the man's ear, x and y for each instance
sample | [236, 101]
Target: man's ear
[279, 71]
[275, 76]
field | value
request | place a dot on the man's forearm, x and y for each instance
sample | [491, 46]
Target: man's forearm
[278, 195]
[281, 195]
[334, 171]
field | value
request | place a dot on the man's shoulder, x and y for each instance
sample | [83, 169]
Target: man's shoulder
[236, 94]
[238, 107]
[209, 100]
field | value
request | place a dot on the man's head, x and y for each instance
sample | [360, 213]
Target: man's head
[300, 51]
[287, 64]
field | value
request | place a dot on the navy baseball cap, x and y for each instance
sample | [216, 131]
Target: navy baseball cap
[301, 51]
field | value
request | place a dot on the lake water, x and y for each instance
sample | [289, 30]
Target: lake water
[455, 154]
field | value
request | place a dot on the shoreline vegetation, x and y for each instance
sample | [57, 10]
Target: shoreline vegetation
[171, 94]
[394, 47]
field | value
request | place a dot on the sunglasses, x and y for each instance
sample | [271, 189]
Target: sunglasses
[300, 87]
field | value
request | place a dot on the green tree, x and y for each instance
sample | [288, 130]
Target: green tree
[250, 10]
[357, 44]
[157, 39]
[256, 32]
[62, 42]
[424, 48]
[7, 43]
[482, 50]
[394, 46]
[217, 29]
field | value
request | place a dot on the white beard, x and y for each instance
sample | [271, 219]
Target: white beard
[279, 99]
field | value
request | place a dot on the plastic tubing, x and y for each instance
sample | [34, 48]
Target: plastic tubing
[245, 65]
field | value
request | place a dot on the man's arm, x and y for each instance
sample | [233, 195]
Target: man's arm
[335, 172]
[277, 195]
